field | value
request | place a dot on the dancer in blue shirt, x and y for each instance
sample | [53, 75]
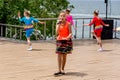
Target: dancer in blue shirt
[29, 28]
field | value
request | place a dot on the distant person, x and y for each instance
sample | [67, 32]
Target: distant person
[64, 41]
[69, 18]
[98, 28]
[117, 29]
[29, 28]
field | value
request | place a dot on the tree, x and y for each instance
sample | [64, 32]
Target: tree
[38, 8]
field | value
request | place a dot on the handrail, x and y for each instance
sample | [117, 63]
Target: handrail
[13, 30]
[7, 25]
[77, 18]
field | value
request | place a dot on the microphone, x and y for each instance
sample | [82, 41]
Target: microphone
[59, 21]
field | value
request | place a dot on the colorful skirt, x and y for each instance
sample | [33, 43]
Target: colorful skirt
[64, 46]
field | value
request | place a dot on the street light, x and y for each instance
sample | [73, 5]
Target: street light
[106, 1]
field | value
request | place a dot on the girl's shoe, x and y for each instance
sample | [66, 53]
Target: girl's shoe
[63, 73]
[101, 49]
[29, 49]
[58, 73]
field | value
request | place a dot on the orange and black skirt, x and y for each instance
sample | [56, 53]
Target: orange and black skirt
[64, 46]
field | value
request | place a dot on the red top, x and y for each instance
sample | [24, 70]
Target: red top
[63, 31]
[97, 21]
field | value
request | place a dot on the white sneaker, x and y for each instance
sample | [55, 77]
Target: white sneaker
[29, 49]
[100, 50]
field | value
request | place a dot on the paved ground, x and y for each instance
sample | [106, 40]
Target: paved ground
[84, 64]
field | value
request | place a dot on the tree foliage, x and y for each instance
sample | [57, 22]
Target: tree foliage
[38, 8]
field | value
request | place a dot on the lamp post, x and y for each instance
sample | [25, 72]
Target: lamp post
[106, 2]
[107, 32]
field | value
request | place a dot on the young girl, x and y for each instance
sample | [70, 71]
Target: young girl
[117, 29]
[69, 17]
[64, 42]
[98, 28]
[29, 28]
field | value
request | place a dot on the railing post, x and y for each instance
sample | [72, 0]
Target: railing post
[10, 32]
[90, 31]
[15, 33]
[45, 31]
[115, 28]
[75, 36]
[52, 30]
[20, 34]
[6, 32]
[1, 31]
[35, 33]
[83, 30]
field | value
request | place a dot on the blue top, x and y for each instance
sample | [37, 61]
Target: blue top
[28, 21]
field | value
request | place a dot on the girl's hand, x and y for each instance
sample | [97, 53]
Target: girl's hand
[19, 14]
[107, 25]
[57, 37]
[85, 25]
[64, 38]
[42, 22]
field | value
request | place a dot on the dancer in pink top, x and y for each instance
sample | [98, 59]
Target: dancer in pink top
[69, 17]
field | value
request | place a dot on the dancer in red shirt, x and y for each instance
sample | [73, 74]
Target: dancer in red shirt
[98, 28]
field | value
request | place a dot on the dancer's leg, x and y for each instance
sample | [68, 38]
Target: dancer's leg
[29, 44]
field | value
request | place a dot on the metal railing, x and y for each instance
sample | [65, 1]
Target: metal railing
[80, 32]
[17, 32]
